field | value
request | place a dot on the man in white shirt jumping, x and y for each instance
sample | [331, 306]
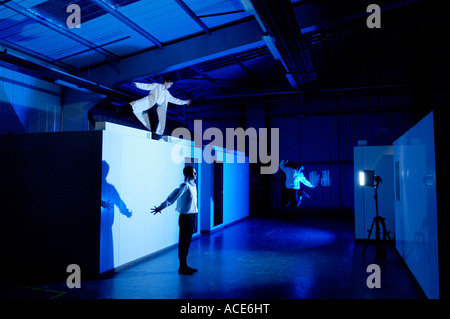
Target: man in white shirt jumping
[295, 176]
[159, 95]
[186, 197]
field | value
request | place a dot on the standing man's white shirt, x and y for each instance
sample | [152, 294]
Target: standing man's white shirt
[186, 197]
[158, 95]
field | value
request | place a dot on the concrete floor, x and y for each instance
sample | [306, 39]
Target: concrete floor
[289, 256]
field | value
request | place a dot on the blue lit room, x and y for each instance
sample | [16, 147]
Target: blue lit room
[250, 150]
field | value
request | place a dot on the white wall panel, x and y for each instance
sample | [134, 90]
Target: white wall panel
[416, 204]
[141, 175]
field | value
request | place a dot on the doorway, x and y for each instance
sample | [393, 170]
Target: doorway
[218, 193]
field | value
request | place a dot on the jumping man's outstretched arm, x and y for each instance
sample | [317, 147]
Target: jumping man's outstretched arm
[145, 86]
[306, 182]
[174, 100]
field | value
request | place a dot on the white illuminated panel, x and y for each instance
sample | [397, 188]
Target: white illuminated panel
[361, 179]
[415, 204]
[138, 174]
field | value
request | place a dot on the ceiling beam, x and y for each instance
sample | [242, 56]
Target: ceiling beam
[252, 75]
[105, 5]
[206, 76]
[58, 28]
[36, 55]
[180, 55]
[192, 14]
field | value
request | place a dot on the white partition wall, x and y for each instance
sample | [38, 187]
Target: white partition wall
[416, 204]
[138, 174]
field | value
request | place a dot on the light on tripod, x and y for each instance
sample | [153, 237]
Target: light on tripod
[368, 178]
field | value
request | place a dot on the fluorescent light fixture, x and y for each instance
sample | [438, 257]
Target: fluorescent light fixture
[248, 7]
[271, 46]
[277, 56]
[291, 80]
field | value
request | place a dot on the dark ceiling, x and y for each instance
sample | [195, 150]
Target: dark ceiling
[312, 49]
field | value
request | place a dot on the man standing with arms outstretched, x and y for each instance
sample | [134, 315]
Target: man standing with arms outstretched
[186, 197]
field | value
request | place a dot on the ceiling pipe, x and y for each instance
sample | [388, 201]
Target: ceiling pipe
[62, 78]
[36, 55]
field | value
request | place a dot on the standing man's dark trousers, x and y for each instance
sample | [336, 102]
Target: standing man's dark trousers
[187, 226]
[153, 118]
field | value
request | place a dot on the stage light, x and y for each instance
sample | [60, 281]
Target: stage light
[361, 178]
[367, 178]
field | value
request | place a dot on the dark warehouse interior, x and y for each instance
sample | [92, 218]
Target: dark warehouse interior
[339, 87]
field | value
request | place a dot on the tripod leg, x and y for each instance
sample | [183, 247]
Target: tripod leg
[385, 232]
[368, 237]
[381, 244]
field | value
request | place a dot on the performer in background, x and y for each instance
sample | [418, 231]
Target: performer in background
[159, 95]
[186, 197]
[294, 176]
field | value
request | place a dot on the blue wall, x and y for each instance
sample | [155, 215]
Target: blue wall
[235, 190]
[27, 104]
[235, 200]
